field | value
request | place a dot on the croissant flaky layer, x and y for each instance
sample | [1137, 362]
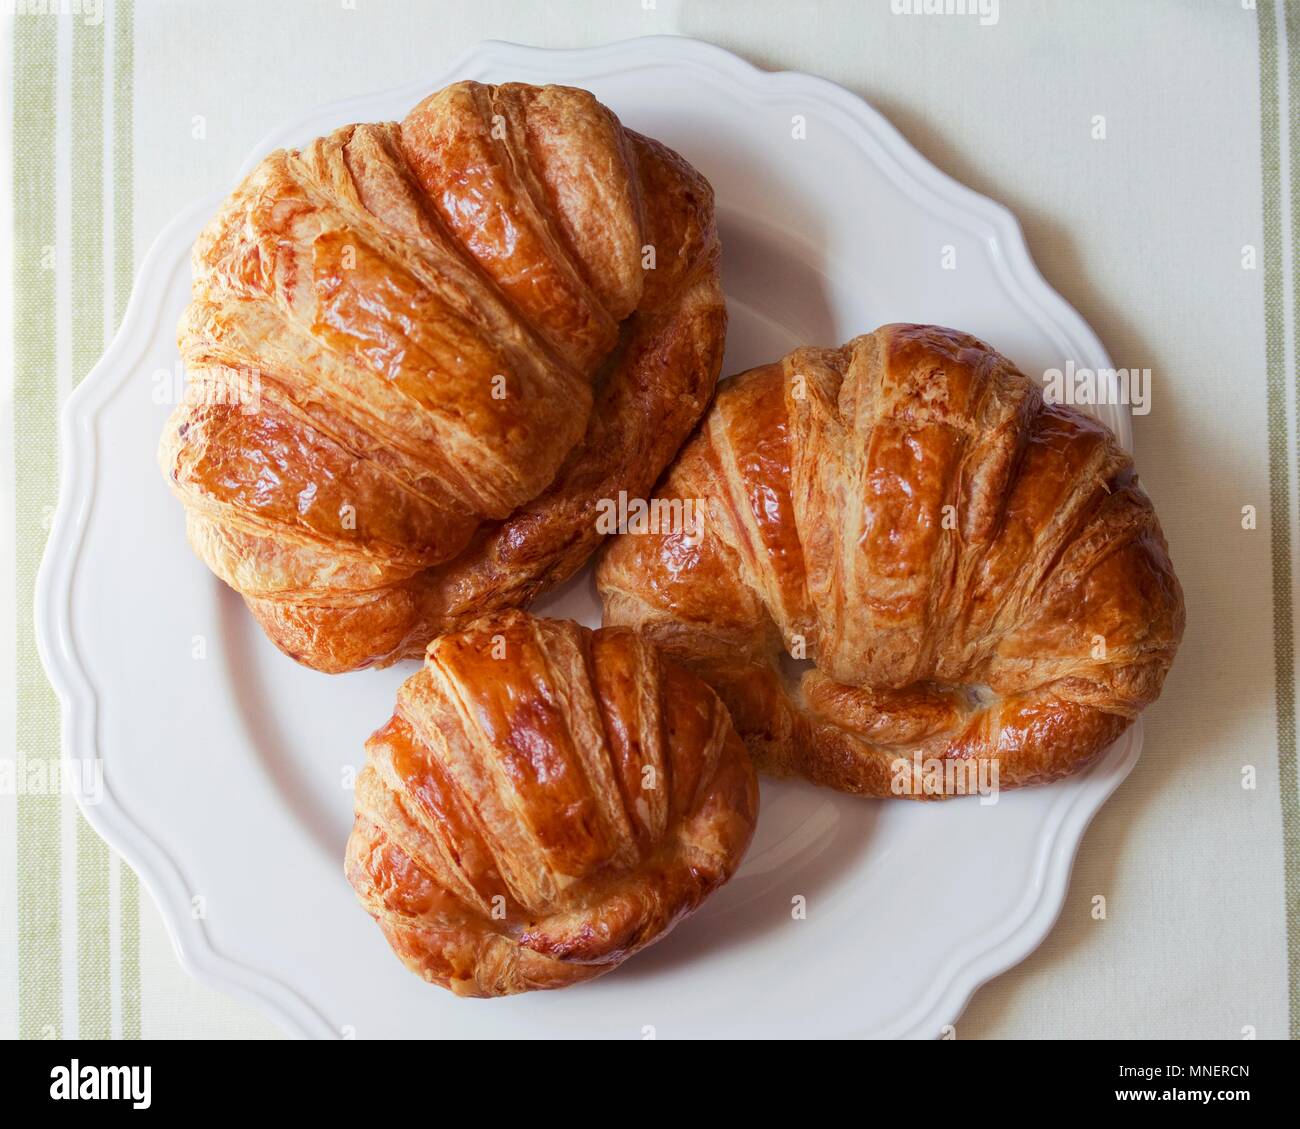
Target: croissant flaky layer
[975, 575]
[420, 354]
[545, 801]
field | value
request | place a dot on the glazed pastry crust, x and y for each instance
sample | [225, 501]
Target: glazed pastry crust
[419, 354]
[975, 575]
[545, 801]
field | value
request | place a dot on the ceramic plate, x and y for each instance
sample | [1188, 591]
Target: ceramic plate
[225, 765]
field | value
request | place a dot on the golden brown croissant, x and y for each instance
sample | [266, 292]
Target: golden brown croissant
[420, 354]
[545, 801]
[976, 574]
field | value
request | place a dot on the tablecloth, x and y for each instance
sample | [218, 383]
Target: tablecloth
[1145, 147]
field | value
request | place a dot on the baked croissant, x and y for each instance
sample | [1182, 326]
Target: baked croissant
[545, 801]
[419, 354]
[979, 582]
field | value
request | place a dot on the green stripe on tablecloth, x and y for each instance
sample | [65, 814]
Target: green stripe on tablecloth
[1287, 759]
[123, 271]
[40, 980]
[94, 972]
[1278, 469]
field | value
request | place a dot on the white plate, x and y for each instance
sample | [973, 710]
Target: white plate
[223, 775]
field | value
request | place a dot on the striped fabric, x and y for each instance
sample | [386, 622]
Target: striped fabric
[78, 906]
[1279, 84]
[82, 150]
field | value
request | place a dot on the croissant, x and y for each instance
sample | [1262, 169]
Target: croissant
[545, 801]
[420, 354]
[980, 587]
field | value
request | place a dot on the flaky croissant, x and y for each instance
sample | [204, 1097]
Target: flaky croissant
[975, 574]
[545, 801]
[419, 354]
